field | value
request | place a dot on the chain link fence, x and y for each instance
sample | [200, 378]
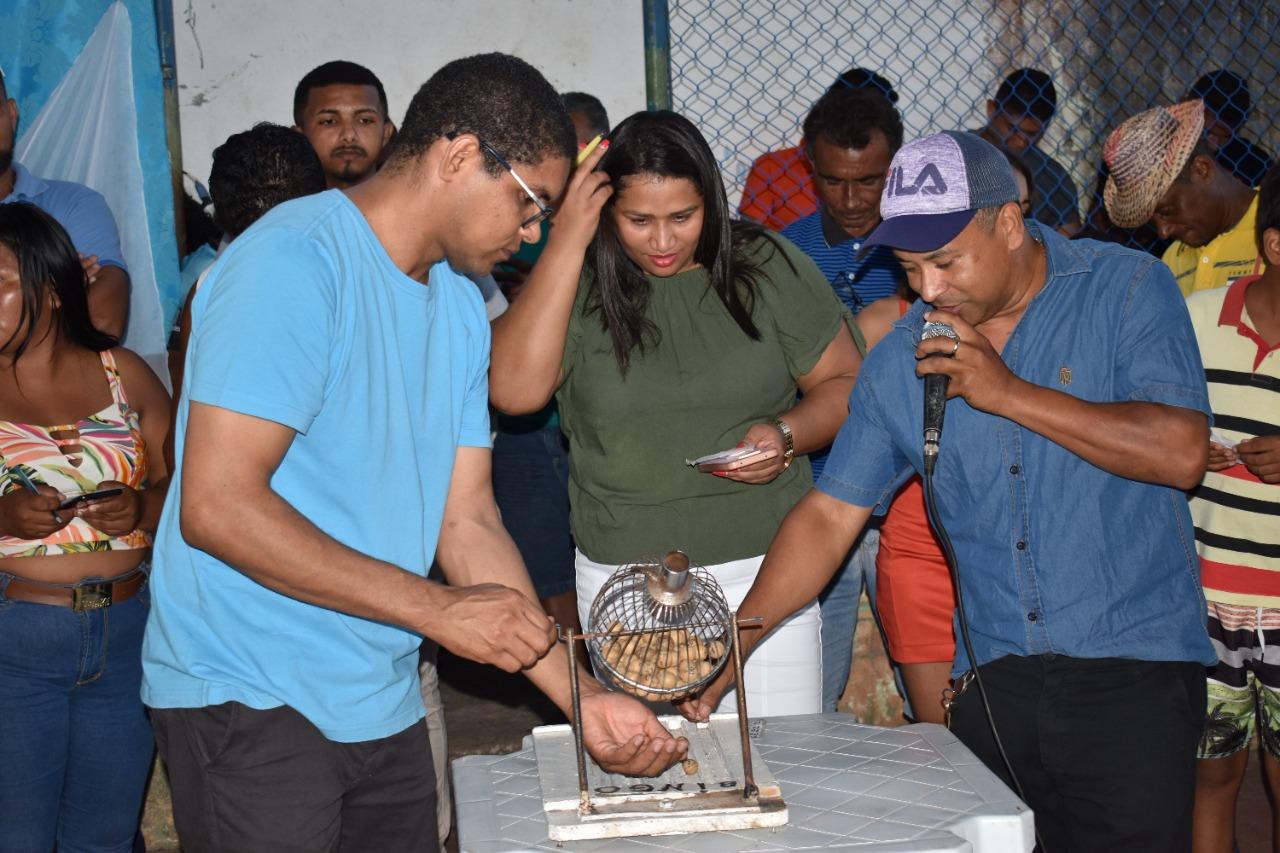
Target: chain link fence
[747, 72]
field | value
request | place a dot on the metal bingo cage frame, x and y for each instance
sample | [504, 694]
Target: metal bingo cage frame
[748, 71]
[653, 597]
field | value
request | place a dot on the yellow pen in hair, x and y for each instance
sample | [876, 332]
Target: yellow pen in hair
[588, 148]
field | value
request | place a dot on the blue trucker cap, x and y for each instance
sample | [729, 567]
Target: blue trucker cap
[935, 186]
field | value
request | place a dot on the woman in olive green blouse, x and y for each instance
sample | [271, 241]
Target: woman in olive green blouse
[668, 331]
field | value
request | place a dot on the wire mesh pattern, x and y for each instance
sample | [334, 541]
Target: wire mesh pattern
[748, 72]
[658, 650]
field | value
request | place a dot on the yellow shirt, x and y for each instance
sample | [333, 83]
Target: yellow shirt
[1231, 255]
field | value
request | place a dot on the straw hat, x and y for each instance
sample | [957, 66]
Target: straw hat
[1145, 154]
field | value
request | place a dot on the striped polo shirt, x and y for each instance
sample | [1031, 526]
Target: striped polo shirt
[1236, 515]
[858, 283]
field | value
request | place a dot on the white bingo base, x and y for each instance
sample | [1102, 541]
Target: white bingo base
[675, 802]
[914, 789]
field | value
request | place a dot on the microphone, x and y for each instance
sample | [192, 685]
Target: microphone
[935, 395]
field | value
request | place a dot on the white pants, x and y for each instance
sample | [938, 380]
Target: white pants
[783, 674]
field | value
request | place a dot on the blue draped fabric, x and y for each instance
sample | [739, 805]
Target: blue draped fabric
[39, 41]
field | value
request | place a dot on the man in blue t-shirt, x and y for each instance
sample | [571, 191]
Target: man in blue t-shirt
[1078, 415]
[333, 441]
[85, 216]
[850, 137]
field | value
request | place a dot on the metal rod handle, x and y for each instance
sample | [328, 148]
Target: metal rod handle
[584, 792]
[749, 789]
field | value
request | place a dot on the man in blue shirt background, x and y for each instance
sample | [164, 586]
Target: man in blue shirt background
[85, 215]
[1078, 416]
[850, 137]
[1017, 117]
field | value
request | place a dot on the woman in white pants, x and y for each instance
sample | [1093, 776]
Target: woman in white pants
[684, 333]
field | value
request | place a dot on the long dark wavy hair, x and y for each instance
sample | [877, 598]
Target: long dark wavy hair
[48, 261]
[667, 145]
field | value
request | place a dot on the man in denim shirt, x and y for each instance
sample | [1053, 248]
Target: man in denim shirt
[1078, 415]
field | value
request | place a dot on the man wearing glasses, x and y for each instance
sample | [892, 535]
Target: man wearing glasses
[333, 441]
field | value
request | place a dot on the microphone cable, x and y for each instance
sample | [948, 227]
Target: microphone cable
[944, 539]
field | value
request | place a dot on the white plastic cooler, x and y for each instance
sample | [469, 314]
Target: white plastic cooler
[846, 787]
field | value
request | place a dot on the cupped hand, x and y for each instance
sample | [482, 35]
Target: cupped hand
[624, 736]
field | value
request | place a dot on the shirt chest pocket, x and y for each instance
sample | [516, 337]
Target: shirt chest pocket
[1082, 368]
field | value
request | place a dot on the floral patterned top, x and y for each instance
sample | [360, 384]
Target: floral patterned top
[74, 459]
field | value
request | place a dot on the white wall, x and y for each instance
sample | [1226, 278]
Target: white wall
[239, 60]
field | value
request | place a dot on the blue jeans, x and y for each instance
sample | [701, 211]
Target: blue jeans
[839, 603]
[531, 487]
[76, 744]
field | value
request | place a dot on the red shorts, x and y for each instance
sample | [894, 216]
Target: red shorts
[913, 586]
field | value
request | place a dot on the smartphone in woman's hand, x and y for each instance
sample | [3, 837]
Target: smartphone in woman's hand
[732, 460]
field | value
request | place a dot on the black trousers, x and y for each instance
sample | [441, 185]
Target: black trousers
[250, 780]
[1105, 749]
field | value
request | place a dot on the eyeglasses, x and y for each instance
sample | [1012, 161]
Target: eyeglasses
[544, 210]
[843, 285]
